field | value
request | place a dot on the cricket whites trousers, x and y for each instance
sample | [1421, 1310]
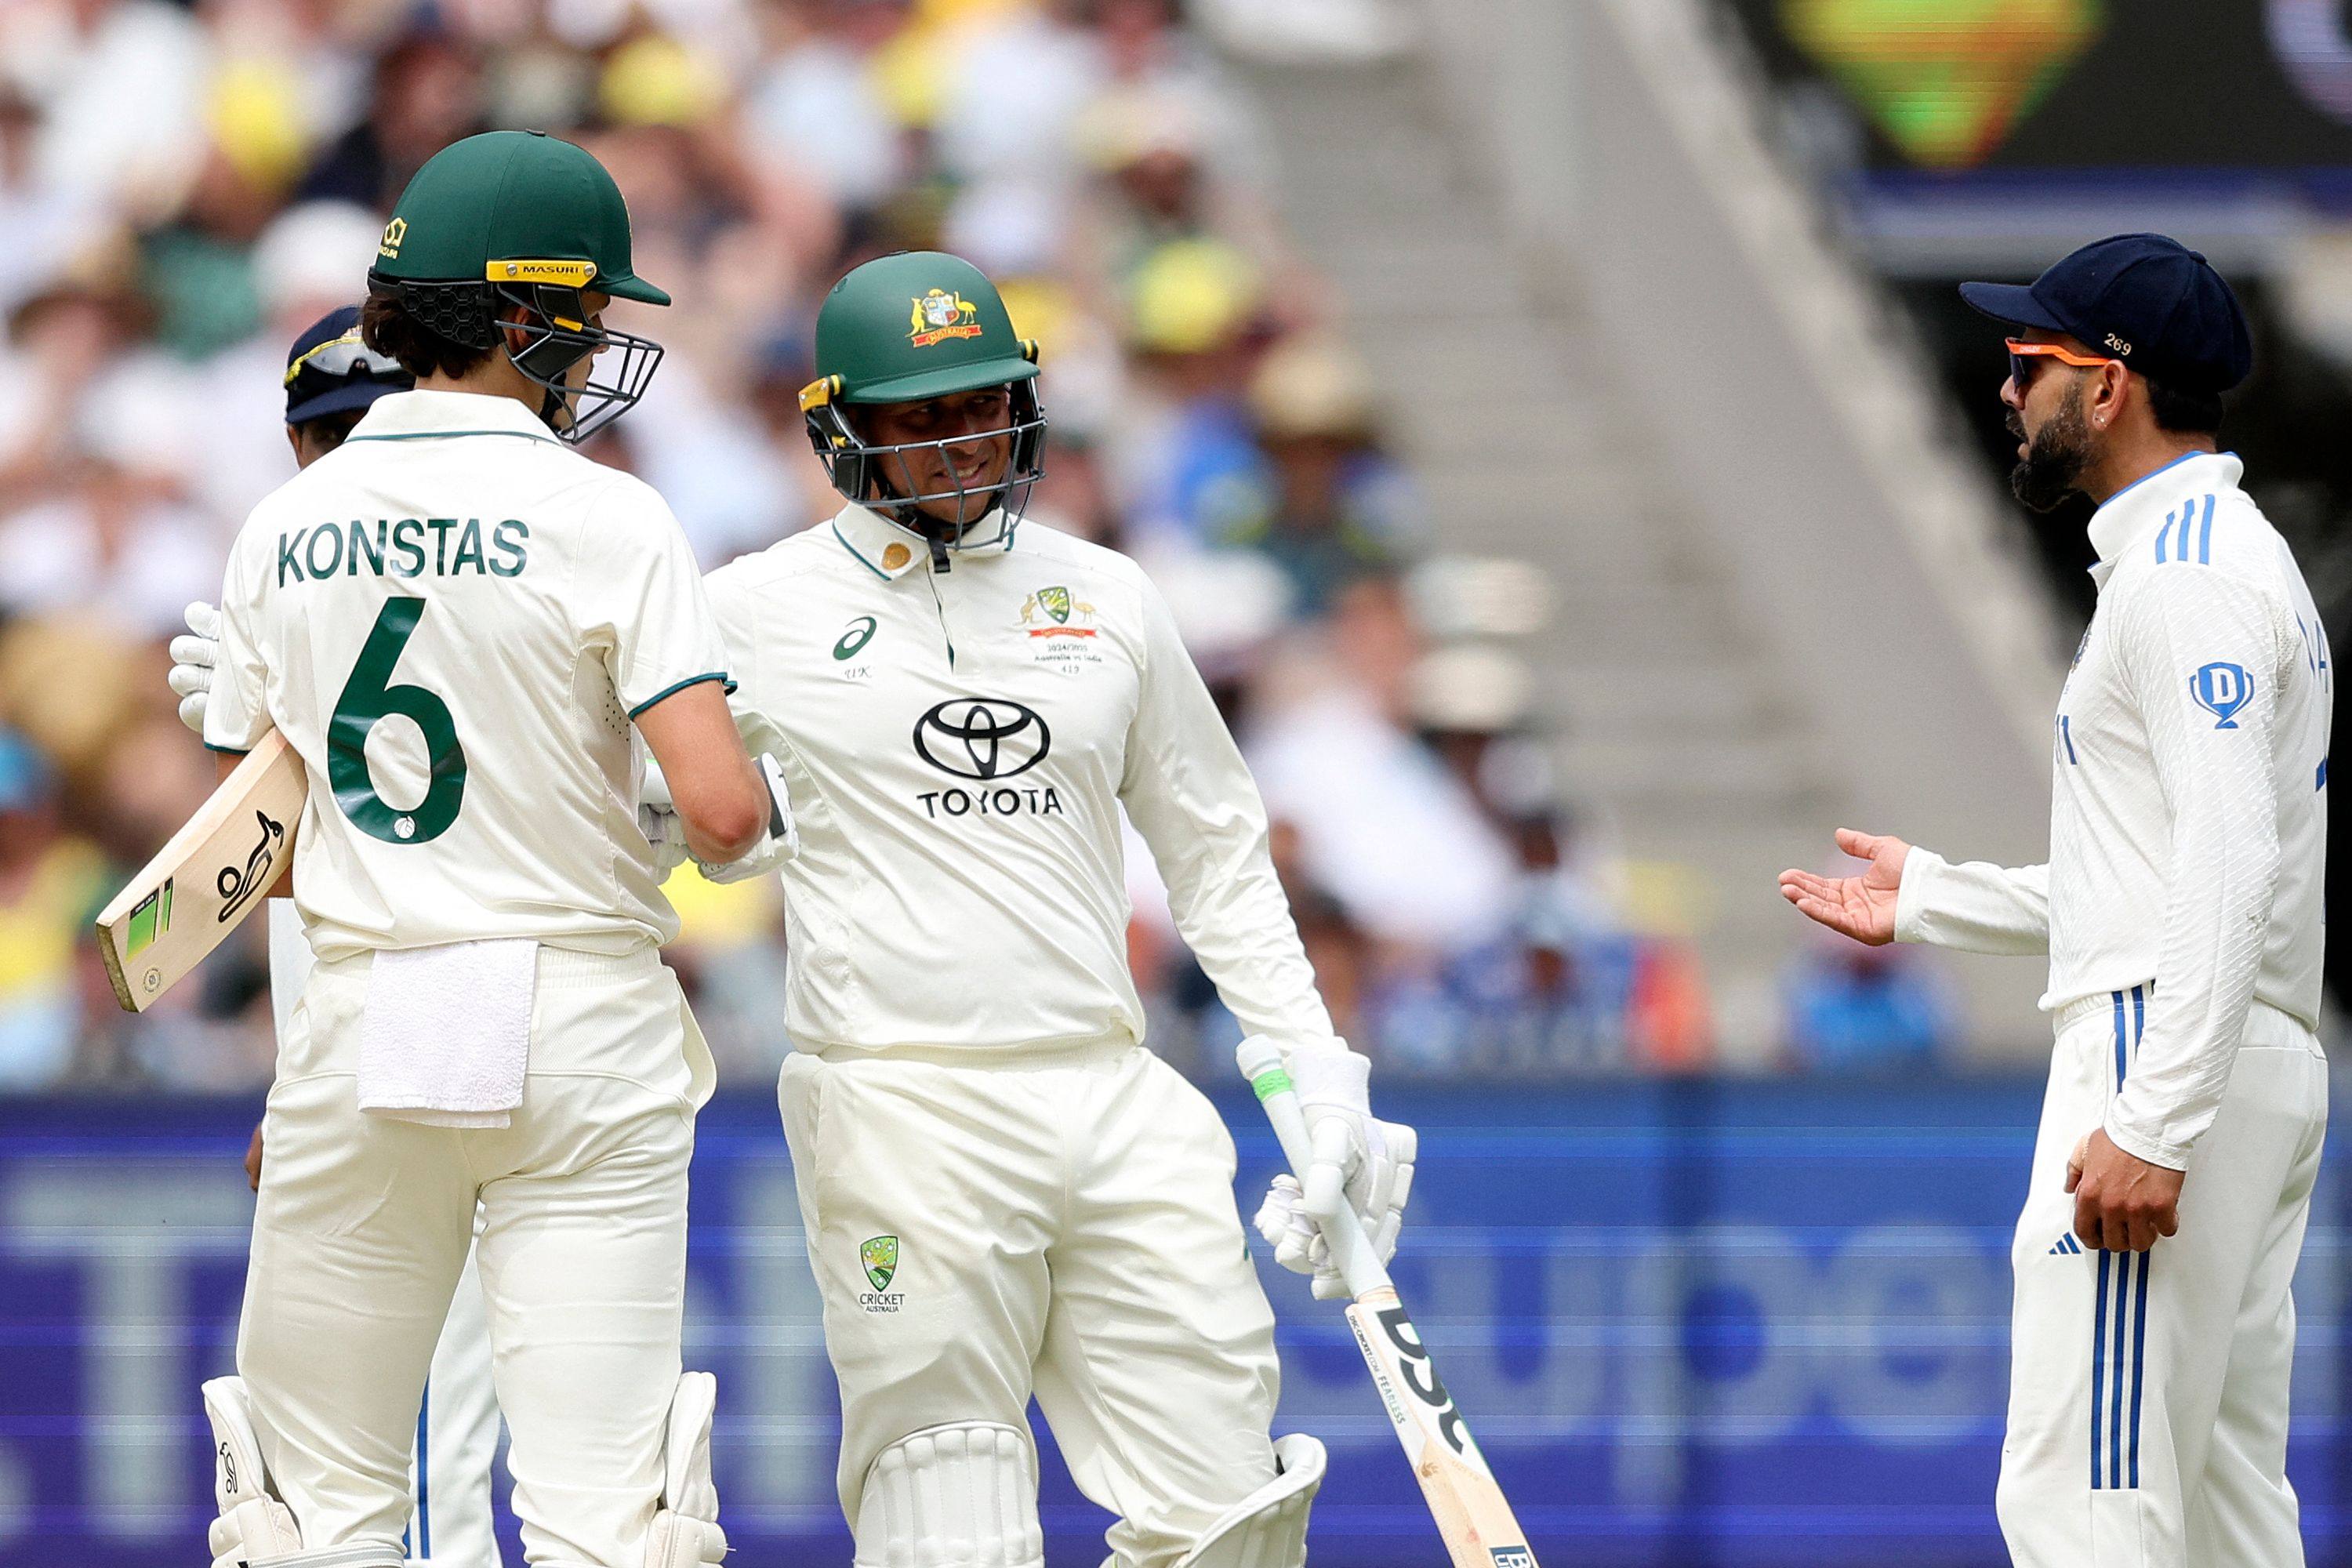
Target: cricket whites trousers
[1058, 1222]
[450, 1524]
[2147, 1410]
[362, 1229]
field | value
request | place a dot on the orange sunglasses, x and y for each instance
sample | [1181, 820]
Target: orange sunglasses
[2019, 351]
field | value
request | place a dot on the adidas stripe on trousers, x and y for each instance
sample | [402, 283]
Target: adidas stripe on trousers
[2147, 1413]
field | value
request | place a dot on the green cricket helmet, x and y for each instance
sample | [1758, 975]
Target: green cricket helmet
[906, 329]
[520, 219]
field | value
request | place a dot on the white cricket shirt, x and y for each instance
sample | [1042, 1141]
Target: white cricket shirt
[453, 617]
[2189, 806]
[958, 746]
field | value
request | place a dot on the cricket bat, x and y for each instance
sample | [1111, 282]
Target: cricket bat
[212, 874]
[1473, 1517]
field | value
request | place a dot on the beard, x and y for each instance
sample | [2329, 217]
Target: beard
[2051, 468]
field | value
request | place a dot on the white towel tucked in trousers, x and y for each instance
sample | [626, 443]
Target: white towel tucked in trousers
[446, 1033]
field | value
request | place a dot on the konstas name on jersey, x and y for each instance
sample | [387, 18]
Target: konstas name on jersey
[406, 547]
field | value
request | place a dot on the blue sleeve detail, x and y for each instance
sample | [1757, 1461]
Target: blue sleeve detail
[2191, 521]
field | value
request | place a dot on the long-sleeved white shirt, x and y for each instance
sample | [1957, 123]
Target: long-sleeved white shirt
[958, 747]
[2189, 806]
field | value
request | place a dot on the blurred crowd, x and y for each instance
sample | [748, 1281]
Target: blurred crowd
[184, 187]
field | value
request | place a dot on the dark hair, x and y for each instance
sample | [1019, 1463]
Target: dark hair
[386, 327]
[2183, 412]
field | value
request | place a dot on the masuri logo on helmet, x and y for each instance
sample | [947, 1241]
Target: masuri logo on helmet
[519, 218]
[872, 348]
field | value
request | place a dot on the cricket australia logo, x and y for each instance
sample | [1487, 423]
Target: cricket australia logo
[1053, 613]
[940, 315]
[879, 1256]
[2221, 690]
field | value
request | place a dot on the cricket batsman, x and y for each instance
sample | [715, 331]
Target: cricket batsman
[462, 625]
[1005, 1193]
[331, 378]
[2154, 1330]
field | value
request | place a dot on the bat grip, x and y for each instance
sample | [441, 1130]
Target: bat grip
[1352, 1251]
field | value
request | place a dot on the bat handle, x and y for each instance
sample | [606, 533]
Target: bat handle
[1326, 1201]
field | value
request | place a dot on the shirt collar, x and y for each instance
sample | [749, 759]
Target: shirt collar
[2133, 512]
[890, 551]
[414, 415]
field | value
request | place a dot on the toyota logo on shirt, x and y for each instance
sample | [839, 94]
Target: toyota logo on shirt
[982, 738]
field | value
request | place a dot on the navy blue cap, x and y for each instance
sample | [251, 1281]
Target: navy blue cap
[330, 370]
[2152, 303]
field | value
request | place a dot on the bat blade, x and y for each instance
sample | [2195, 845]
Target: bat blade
[201, 885]
[1474, 1518]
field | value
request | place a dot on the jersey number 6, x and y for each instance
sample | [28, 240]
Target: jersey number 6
[368, 697]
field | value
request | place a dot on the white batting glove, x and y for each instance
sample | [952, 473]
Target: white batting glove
[658, 819]
[781, 842]
[1333, 1087]
[194, 654]
[1299, 1245]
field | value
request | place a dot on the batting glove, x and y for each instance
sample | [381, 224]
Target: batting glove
[194, 654]
[1333, 1087]
[781, 841]
[658, 820]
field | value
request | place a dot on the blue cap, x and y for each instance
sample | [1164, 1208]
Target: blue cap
[24, 774]
[2152, 303]
[330, 370]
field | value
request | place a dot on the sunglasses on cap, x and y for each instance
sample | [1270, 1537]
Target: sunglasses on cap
[342, 358]
[2022, 353]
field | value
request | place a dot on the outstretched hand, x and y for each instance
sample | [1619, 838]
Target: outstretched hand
[1860, 907]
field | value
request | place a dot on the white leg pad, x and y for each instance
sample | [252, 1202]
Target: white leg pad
[253, 1526]
[362, 1556]
[1268, 1528]
[962, 1495]
[686, 1533]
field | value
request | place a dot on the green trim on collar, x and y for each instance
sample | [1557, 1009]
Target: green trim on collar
[860, 558]
[674, 689]
[1001, 545]
[446, 434]
[229, 751]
